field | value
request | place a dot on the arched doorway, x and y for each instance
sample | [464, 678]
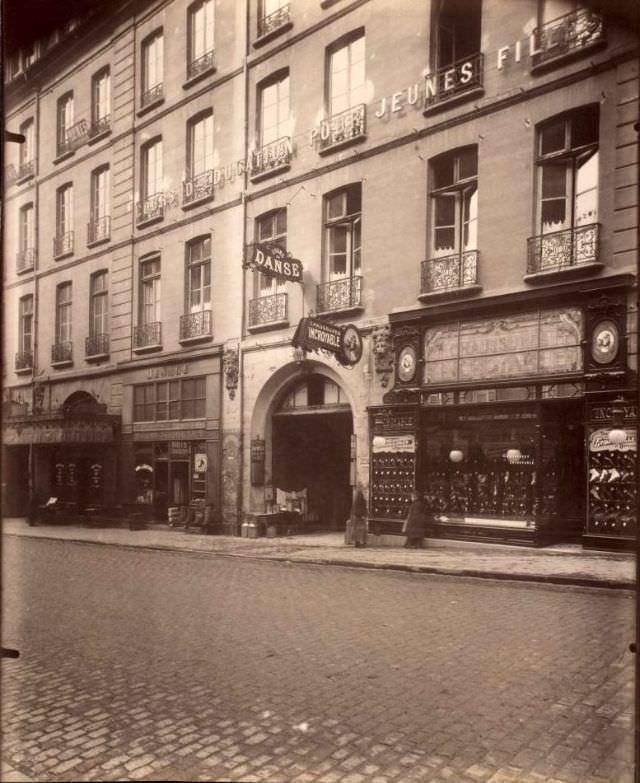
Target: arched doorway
[311, 433]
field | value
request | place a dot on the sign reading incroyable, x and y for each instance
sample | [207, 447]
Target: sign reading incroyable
[345, 342]
[272, 260]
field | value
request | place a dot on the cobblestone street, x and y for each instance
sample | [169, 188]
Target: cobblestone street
[143, 665]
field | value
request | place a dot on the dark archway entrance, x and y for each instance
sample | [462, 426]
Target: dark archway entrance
[311, 449]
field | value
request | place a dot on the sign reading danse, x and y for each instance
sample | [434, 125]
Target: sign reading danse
[272, 260]
[345, 342]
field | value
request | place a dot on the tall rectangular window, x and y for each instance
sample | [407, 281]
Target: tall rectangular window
[343, 232]
[27, 150]
[199, 275]
[274, 110]
[27, 229]
[346, 87]
[152, 177]
[150, 291]
[100, 194]
[201, 34]
[152, 67]
[454, 202]
[25, 324]
[63, 313]
[65, 122]
[271, 229]
[98, 305]
[200, 145]
[457, 31]
[64, 220]
[101, 100]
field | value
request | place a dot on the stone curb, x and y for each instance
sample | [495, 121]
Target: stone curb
[553, 579]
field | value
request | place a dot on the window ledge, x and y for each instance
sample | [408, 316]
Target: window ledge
[60, 256]
[328, 3]
[147, 348]
[263, 39]
[149, 106]
[267, 327]
[99, 136]
[564, 272]
[191, 80]
[25, 270]
[454, 100]
[23, 370]
[62, 363]
[264, 174]
[100, 241]
[96, 357]
[340, 311]
[197, 202]
[566, 57]
[450, 293]
[64, 156]
[200, 338]
[342, 144]
[149, 221]
[26, 178]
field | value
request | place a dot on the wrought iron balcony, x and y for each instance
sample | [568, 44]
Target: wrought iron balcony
[27, 169]
[201, 64]
[196, 326]
[98, 230]
[274, 21]
[151, 208]
[271, 158]
[449, 272]
[147, 335]
[74, 137]
[152, 95]
[100, 125]
[63, 244]
[268, 310]
[24, 361]
[454, 81]
[339, 294]
[96, 345]
[198, 187]
[62, 353]
[26, 259]
[563, 249]
[343, 128]
[567, 35]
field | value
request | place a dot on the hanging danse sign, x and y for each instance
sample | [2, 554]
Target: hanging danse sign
[272, 260]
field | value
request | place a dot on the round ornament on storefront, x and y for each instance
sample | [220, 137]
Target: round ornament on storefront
[407, 363]
[605, 341]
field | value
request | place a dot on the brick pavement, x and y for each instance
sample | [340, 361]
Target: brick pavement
[374, 677]
[568, 564]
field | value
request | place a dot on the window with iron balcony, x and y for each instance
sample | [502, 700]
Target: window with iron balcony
[568, 235]
[457, 73]
[27, 166]
[274, 18]
[24, 357]
[62, 353]
[197, 322]
[274, 117]
[100, 105]
[559, 38]
[150, 208]
[62, 349]
[26, 260]
[199, 179]
[269, 307]
[148, 334]
[97, 343]
[23, 361]
[201, 45]
[452, 265]
[152, 70]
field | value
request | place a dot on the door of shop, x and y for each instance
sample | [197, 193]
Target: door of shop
[312, 451]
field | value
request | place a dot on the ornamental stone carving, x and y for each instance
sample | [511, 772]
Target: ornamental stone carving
[231, 365]
[382, 352]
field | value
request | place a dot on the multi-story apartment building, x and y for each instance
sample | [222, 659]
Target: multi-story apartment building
[452, 185]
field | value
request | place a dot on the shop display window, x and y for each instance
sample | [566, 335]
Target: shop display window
[613, 484]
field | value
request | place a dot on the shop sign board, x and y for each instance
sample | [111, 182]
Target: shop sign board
[345, 342]
[57, 432]
[393, 444]
[272, 260]
[179, 448]
[599, 441]
[200, 463]
[257, 461]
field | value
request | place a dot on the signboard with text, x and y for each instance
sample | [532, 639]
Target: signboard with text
[272, 260]
[345, 342]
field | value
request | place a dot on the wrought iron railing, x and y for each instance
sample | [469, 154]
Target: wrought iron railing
[63, 244]
[27, 169]
[96, 345]
[271, 157]
[24, 360]
[449, 272]
[340, 294]
[454, 80]
[152, 94]
[344, 127]
[62, 352]
[194, 325]
[274, 21]
[100, 125]
[567, 34]
[268, 309]
[201, 64]
[26, 259]
[74, 137]
[562, 249]
[151, 208]
[198, 187]
[98, 229]
[147, 335]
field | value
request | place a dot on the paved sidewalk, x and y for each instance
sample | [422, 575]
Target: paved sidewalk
[565, 564]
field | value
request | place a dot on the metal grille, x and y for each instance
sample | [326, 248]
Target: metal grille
[196, 325]
[62, 352]
[449, 272]
[567, 34]
[561, 249]
[63, 244]
[99, 229]
[274, 21]
[340, 294]
[147, 334]
[268, 309]
[96, 345]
